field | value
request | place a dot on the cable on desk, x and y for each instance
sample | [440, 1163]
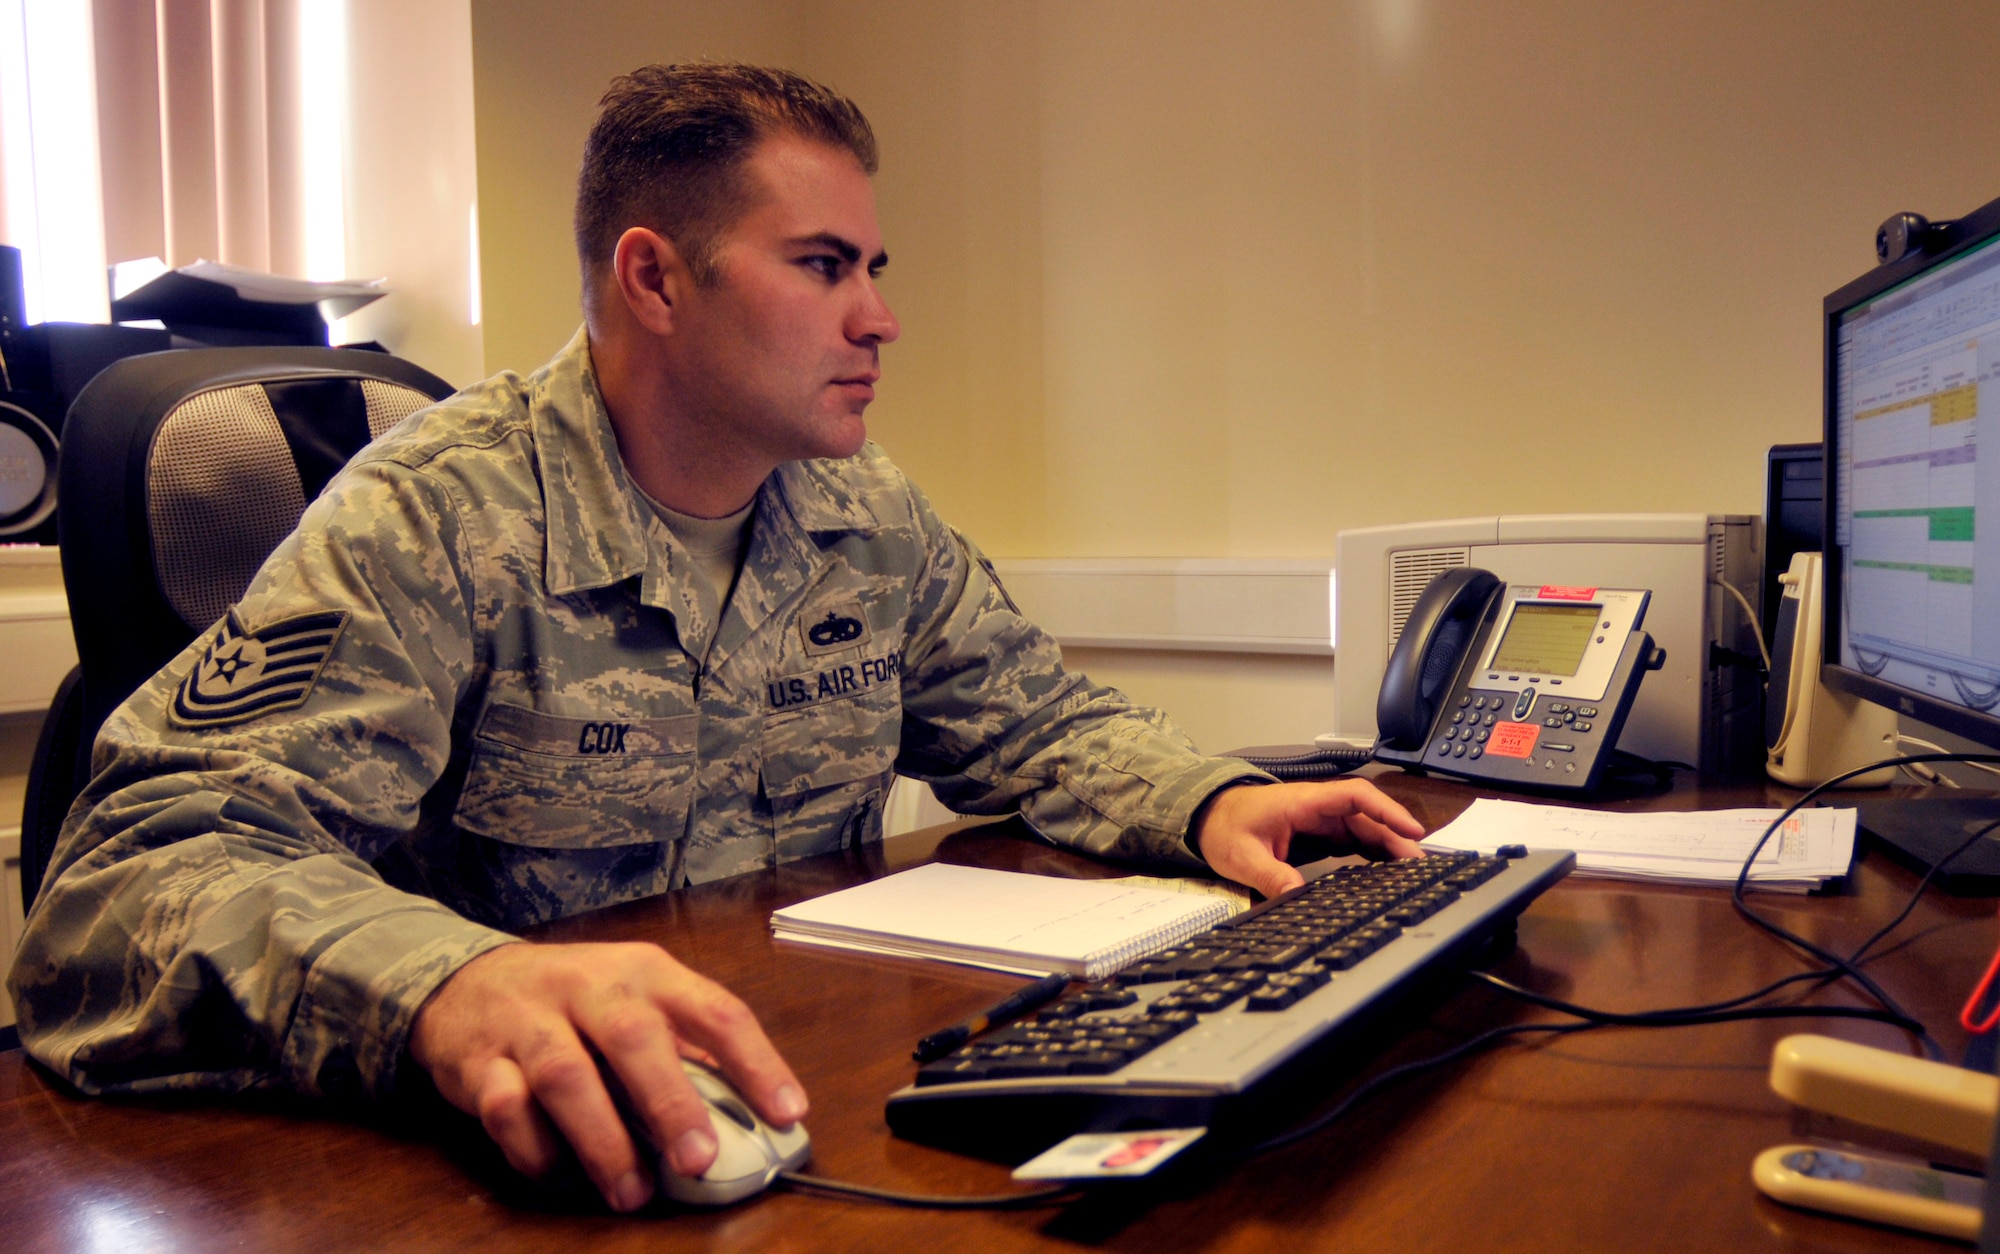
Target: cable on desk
[1311, 765]
[1403, 1071]
[1735, 1009]
[1729, 1010]
[1692, 1016]
[1838, 967]
[1050, 1196]
[1971, 840]
[1934, 747]
[1847, 967]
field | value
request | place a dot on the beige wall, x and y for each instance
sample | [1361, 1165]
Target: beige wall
[537, 71]
[1197, 279]
[411, 183]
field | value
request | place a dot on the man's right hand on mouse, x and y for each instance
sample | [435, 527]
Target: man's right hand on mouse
[509, 1038]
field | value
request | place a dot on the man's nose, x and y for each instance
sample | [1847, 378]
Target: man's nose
[872, 321]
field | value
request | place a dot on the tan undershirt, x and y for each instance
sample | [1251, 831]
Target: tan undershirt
[717, 545]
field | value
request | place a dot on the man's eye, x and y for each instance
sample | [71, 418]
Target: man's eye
[827, 267]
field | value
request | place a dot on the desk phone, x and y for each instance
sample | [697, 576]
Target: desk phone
[1520, 685]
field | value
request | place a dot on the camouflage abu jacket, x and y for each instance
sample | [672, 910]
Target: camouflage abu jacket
[481, 687]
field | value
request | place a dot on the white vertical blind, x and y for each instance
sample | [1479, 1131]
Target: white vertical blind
[322, 139]
[323, 79]
[222, 122]
[243, 137]
[54, 199]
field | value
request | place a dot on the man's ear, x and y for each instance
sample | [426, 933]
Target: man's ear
[651, 277]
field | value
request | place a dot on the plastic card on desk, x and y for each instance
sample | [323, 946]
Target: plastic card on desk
[1109, 1155]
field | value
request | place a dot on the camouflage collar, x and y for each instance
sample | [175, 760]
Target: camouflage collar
[820, 500]
[598, 525]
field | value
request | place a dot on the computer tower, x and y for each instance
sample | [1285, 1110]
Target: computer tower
[1794, 517]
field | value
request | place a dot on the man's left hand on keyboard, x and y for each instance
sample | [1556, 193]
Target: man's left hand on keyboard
[1245, 832]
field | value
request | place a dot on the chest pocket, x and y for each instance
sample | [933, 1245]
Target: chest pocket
[827, 769]
[574, 783]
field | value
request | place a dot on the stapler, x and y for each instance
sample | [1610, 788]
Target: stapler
[1930, 1101]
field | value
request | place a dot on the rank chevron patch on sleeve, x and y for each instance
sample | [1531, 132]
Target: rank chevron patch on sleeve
[242, 674]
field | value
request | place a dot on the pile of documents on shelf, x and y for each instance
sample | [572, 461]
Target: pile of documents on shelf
[1696, 847]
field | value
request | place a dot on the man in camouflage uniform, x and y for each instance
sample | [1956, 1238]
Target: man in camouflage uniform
[501, 674]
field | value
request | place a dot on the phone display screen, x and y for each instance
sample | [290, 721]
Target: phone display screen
[1546, 639]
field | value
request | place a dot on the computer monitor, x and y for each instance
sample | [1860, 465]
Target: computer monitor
[1913, 513]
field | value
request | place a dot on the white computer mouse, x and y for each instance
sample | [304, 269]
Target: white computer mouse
[750, 1152]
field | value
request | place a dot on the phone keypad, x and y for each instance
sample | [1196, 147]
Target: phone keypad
[1474, 714]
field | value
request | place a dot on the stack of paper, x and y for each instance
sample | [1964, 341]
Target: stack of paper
[1700, 847]
[1002, 919]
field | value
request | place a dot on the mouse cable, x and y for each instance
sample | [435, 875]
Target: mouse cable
[1846, 966]
[1051, 1196]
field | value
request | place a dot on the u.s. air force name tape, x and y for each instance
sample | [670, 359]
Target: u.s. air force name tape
[242, 674]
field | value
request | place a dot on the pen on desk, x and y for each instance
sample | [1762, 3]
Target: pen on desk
[1041, 992]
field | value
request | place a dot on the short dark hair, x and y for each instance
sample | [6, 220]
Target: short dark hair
[668, 148]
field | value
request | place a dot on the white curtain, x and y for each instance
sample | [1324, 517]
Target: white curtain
[200, 127]
[320, 139]
[163, 128]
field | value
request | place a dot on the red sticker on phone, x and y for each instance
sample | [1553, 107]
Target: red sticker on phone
[1514, 740]
[1556, 592]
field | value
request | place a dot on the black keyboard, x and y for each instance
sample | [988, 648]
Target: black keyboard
[1211, 1032]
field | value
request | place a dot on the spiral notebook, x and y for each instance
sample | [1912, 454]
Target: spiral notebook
[1033, 924]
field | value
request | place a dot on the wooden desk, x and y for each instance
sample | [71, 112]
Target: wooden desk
[1617, 1139]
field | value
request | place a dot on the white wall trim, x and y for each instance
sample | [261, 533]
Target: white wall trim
[1228, 605]
[35, 636]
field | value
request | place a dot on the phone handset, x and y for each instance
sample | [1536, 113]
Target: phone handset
[1443, 625]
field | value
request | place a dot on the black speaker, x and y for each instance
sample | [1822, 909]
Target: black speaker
[42, 369]
[30, 422]
[27, 470]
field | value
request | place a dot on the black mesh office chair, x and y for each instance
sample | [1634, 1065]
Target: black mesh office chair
[179, 473]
